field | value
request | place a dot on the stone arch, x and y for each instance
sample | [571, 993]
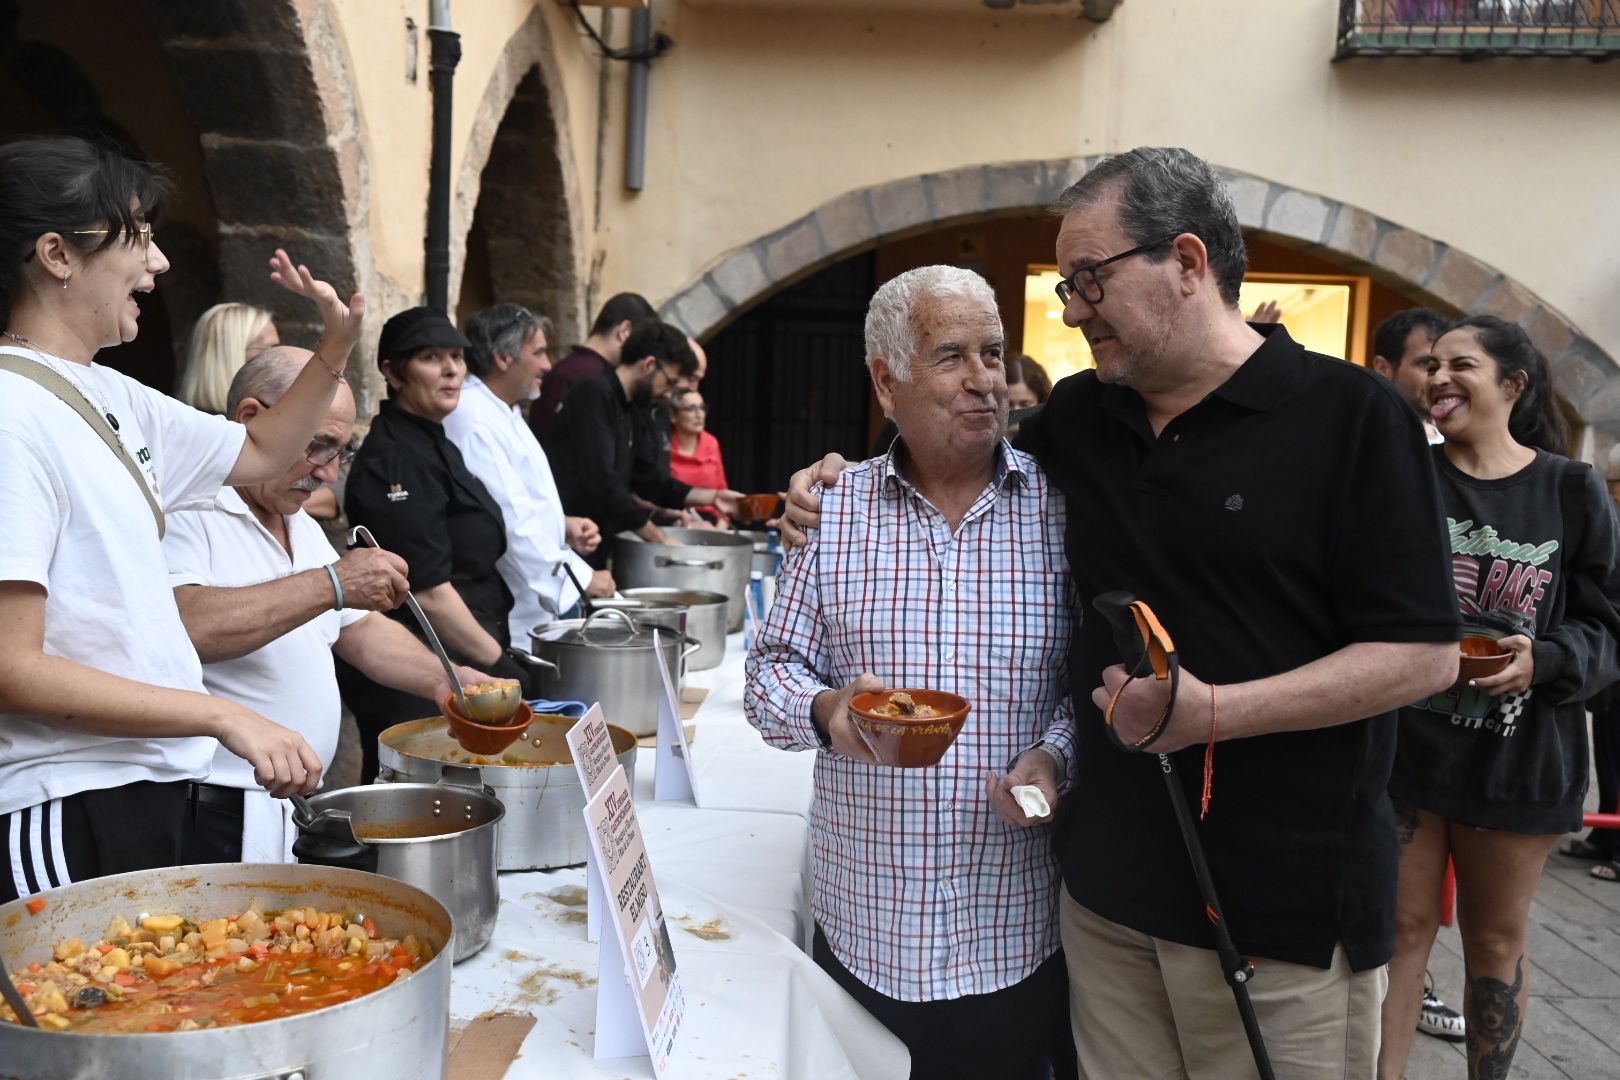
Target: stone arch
[1403, 258]
[269, 94]
[516, 216]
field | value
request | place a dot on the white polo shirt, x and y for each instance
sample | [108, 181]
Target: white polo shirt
[76, 524]
[502, 451]
[291, 680]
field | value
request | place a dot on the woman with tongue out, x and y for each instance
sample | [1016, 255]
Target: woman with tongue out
[104, 722]
[1493, 771]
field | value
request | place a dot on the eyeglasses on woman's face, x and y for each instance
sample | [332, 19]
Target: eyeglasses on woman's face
[142, 233]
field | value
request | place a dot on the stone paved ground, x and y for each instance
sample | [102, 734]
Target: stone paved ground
[1573, 1027]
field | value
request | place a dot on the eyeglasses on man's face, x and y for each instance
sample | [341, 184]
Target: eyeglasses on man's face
[320, 452]
[1085, 283]
[692, 408]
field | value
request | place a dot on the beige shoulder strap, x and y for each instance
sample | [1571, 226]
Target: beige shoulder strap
[75, 400]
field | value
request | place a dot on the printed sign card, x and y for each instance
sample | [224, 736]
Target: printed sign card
[591, 745]
[674, 778]
[651, 1002]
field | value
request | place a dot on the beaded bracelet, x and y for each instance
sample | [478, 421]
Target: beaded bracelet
[337, 586]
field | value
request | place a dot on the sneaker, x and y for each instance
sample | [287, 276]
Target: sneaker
[1439, 1019]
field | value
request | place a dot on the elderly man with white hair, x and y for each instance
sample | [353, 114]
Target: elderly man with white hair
[266, 601]
[937, 565]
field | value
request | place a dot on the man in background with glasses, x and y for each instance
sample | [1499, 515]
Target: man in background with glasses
[266, 600]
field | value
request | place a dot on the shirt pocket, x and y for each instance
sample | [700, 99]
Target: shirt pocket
[1024, 654]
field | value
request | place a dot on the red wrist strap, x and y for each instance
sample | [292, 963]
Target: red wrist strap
[1209, 754]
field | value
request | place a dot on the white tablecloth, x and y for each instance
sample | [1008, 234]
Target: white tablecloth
[736, 770]
[734, 884]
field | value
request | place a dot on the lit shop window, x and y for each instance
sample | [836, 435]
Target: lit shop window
[1326, 314]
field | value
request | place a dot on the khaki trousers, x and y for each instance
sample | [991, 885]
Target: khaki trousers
[1147, 1009]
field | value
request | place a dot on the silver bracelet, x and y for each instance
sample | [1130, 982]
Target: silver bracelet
[337, 586]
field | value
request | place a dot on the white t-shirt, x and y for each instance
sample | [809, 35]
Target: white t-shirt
[76, 524]
[291, 680]
[502, 451]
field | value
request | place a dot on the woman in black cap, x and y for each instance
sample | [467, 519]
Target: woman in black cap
[411, 488]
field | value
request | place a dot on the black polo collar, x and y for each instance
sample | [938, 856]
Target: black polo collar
[1258, 384]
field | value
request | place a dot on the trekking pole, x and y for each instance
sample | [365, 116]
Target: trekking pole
[1146, 649]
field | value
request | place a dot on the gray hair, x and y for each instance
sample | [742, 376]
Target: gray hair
[1165, 191]
[500, 329]
[266, 377]
[891, 329]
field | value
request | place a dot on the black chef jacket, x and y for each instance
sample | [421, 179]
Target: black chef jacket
[1289, 514]
[410, 486]
[591, 444]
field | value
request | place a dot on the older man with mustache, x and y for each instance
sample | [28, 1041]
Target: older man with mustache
[266, 601]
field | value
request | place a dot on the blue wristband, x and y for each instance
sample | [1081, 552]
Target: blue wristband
[337, 586]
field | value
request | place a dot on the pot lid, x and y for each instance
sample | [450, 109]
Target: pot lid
[607, 629]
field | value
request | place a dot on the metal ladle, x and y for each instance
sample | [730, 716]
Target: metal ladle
[361, 534]
[14, 998]
[584, 602]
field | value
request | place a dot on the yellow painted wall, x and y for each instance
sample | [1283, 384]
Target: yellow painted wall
[762, 112]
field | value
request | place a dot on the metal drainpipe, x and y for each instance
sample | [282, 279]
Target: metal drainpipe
[635, 148]
[446, 53]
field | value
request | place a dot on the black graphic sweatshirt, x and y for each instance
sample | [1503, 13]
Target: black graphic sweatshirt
[1518, 761]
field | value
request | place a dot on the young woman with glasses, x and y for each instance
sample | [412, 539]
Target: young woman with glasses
[1490, 773]
[103, 718]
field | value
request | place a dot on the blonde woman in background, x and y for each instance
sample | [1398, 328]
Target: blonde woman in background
[226, 337]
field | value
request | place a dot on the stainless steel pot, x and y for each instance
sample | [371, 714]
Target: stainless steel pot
[608, 658]
[704, 559]
[440, 837]
[401, 1030]
[706, 617]
[534, 777]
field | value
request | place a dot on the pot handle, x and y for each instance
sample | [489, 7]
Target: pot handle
[466, 776]
[692, 646]
[603, 613]
[664, 561]
[329, 840]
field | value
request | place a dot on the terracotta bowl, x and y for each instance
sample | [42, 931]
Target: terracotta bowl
[913, 742]
[1481, 656]
[759, 507]
[486, 738]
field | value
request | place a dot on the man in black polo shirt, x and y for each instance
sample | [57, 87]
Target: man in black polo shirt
[591, 442]
[1274, 508]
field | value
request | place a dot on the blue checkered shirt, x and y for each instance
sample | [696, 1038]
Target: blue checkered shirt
[922, 891]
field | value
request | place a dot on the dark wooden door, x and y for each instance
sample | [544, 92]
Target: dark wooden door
[787, 381]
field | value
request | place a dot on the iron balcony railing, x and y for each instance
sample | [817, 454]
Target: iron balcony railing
[1477, 28]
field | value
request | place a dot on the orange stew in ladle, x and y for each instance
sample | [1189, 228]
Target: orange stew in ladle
[173, 974]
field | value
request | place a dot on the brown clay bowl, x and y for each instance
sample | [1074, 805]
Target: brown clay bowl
[1481, 656]
[913, 742]
[486, 739]
[758, 507]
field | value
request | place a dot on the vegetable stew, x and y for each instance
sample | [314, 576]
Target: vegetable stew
[170, 973]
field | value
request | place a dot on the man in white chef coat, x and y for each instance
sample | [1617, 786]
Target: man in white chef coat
[266, 601]
[508, 358]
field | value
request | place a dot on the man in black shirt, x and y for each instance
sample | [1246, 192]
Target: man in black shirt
[592, 441]
[1273, 507]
